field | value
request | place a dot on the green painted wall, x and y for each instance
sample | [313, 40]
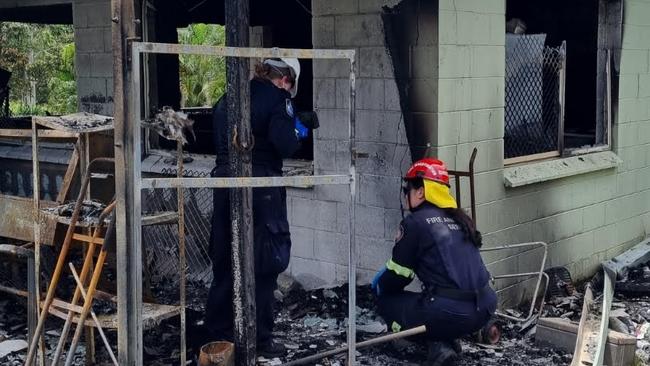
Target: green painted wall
[585, 219]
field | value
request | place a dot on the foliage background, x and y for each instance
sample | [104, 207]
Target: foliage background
[41, 59]
[202, 78]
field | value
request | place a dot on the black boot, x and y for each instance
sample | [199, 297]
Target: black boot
[271, 349]
[455, 345]
[440, 354]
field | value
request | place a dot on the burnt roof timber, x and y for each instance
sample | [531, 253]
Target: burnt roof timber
[37, 11]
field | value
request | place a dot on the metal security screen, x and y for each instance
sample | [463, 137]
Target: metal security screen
[533, 96]
[160, 242]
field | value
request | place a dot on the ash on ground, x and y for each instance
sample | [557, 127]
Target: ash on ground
[314, 321]
[89, 211]
[13, 335]
[82, 121]
[309, 322]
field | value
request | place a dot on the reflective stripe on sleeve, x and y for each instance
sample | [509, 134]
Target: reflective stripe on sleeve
[400, 270]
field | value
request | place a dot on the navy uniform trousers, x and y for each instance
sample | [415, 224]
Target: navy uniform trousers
[272, 250]
[445, 319]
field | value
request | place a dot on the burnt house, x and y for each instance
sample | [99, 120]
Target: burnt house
[555, 96]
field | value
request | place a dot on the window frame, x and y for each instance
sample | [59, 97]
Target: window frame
[610, 22]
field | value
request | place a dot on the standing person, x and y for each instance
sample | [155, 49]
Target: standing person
[439, 244]
[276, 133]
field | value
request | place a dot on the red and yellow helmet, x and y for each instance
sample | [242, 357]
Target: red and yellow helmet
[429, 169]
[436, 181]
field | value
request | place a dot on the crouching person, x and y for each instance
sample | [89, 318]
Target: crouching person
[439, 244]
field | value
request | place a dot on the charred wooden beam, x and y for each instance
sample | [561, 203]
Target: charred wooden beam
[241, 201]
[128, 250]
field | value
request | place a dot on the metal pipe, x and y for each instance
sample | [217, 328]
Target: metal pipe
[14, 291]
[514, 275]
[578, 355]
[608, 296]
[32, 300]
[561, 96]
[471, 184]
[239, 182]
[181, 251]
[514, 246]
[352, 259]
[371, 342]
[470, 174]
[539, 310]
[608, 98]
[540, 274]
[243, 52]
[93, 315]
[36, 215]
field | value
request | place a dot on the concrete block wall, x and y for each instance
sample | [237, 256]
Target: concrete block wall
[93, 58]
[319, 216]
[632, 130]
[586, 218]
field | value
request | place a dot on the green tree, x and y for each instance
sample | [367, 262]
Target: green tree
[14, 41]
[202, 78]
[41, 59]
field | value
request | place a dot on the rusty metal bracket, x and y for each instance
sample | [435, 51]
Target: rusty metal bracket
[469, 174]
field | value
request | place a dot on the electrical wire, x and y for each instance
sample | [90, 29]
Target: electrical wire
[304, 7]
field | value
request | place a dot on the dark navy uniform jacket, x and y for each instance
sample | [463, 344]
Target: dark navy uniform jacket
[272, 124]
[434, 247]
[273, 130]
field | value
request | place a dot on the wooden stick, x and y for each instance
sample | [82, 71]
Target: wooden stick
[87, 265]
[23, 133]
[88, 239]
[93, 315]
[49, 297]
[371, 342]
[68, 177]
[110, 236]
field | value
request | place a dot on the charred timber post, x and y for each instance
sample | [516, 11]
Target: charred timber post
[129, 283]
[241, 202]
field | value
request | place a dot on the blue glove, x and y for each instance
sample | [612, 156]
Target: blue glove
[301, 130]
[375, 282]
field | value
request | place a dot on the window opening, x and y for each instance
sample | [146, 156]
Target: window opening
[196, 91]
[556, 66]
[37, 77]
[37, 73]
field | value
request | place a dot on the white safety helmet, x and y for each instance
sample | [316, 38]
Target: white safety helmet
[292, 64]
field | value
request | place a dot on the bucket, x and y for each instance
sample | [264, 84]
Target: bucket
[217, 354]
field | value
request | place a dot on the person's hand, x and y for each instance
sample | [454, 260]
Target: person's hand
[375, 282]
[301, 130]
[309, 119]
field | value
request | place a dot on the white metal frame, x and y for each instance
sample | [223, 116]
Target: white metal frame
[135, 186]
